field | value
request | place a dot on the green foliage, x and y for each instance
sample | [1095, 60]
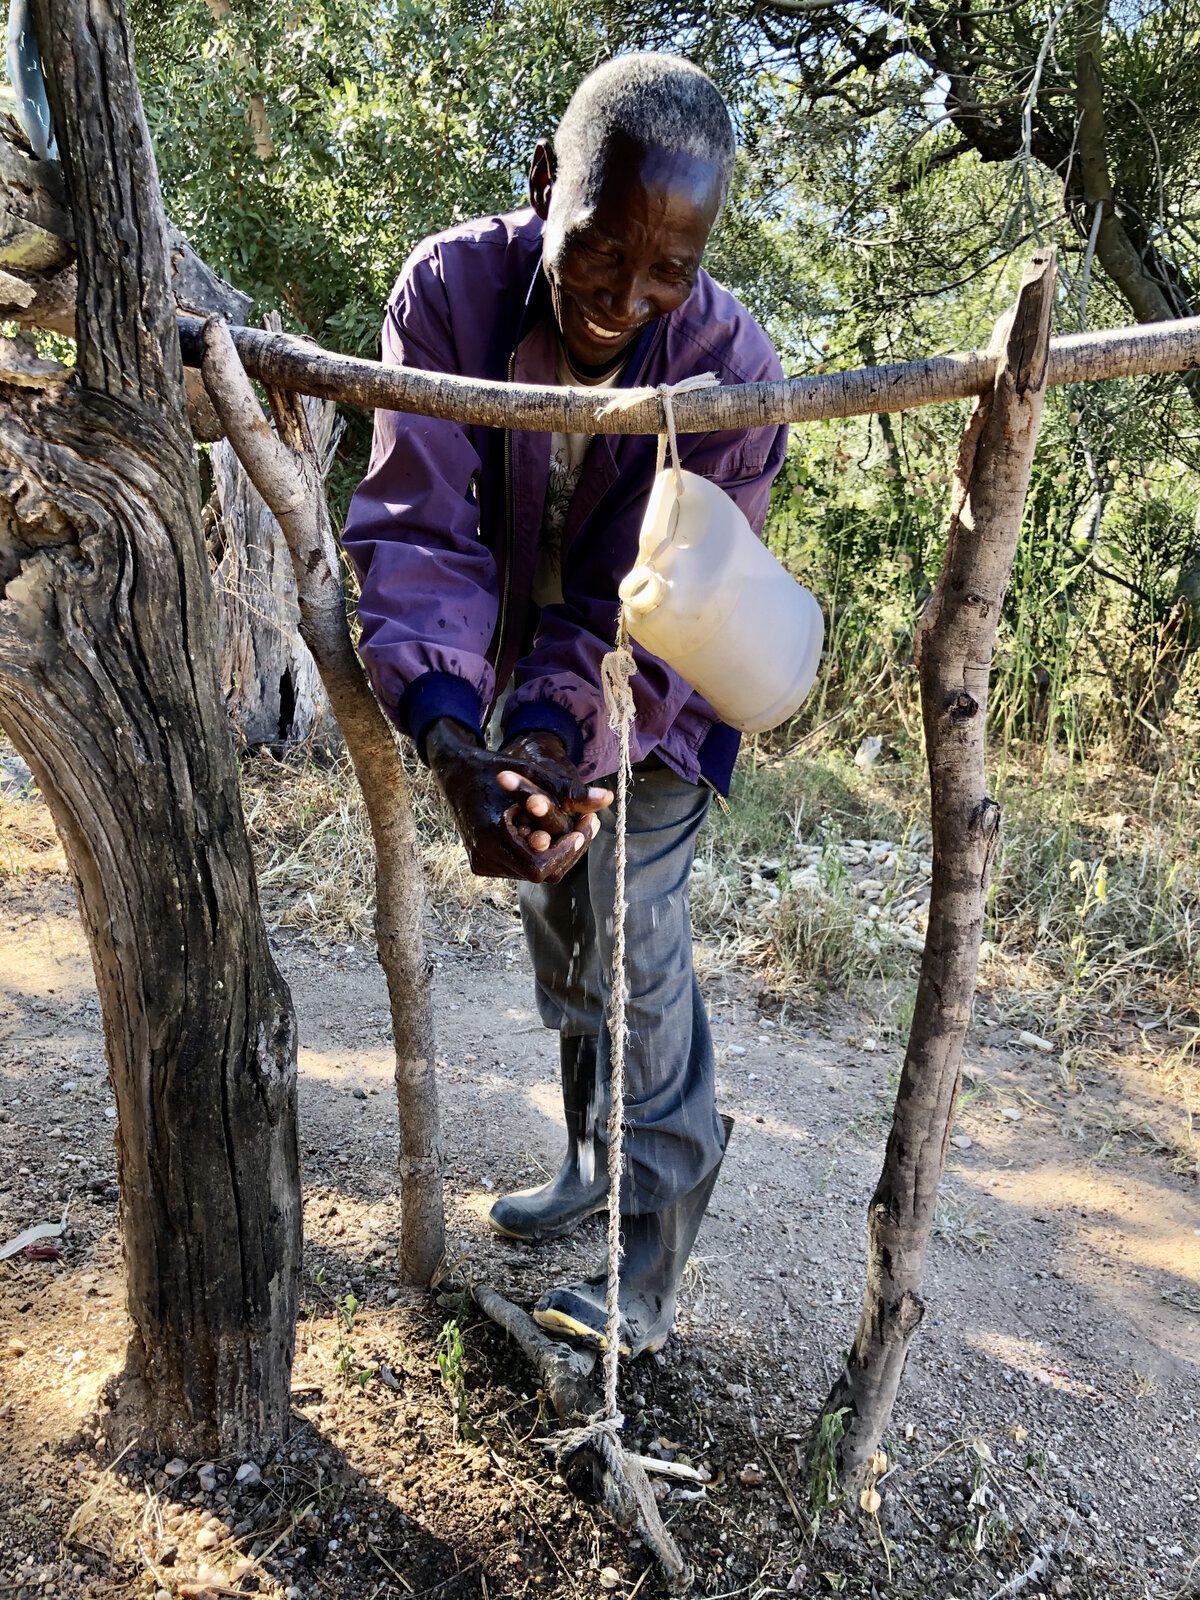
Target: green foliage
[450, 1365]
[823, 1489]
[306, 149]
[344, 1355]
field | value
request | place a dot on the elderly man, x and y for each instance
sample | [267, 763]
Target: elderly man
[489, 563]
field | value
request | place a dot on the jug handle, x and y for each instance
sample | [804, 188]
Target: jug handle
[667, 540]
[642, 591]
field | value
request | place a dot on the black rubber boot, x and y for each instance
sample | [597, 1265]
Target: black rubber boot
[581, 1186]
[656, 1250]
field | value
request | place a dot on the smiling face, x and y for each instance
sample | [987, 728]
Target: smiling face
[629, 253]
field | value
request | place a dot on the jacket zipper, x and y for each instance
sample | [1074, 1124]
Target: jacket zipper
[509, 542]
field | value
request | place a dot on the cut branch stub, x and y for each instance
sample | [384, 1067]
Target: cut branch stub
[954, 652]
[38, 282]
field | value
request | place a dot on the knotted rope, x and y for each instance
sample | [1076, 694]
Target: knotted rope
[626, 399]
[616, 669]
[628, 1497]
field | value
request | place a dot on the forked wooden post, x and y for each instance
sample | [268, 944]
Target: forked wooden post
[285, 471]
[954, 655]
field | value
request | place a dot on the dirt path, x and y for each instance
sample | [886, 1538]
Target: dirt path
[1048, 1423]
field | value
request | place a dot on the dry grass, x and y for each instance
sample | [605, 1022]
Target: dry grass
[1094, 912]
[959, 1222]
[1095, 904]
[312, 843]
[29, 844]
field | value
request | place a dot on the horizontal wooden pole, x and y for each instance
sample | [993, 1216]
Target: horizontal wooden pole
[288, 362]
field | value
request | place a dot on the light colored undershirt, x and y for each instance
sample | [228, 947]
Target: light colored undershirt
[568, 452]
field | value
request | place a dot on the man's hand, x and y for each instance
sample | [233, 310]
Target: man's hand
[517, 811]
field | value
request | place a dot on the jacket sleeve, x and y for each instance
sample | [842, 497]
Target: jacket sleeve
[429, 593]
[558, 684]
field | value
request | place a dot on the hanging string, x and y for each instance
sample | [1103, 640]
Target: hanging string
[616, 669]
[628, 1496]
[626, 399]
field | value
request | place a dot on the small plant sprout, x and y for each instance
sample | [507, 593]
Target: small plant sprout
[450, 1365]
[344, 1356]
[823, 1489]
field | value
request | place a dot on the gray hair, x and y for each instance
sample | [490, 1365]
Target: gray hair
[658, 100]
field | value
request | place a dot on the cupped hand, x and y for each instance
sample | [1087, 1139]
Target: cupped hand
[518, 811]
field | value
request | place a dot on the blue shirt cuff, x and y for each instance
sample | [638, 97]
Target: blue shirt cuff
[434, 695]
[547, 716]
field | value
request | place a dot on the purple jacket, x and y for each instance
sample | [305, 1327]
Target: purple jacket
[443, 530]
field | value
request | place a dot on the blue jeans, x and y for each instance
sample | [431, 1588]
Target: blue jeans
[673, 1137]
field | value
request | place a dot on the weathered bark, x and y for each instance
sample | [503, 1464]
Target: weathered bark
[273, 691]
[271, 686]
[286, 474]
[286, 362]
[953, 654]
[38, 285]
[107, 687]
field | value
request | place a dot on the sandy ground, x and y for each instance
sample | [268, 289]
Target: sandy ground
[1048, 1422]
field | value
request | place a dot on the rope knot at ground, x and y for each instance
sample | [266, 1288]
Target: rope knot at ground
[627, 1495]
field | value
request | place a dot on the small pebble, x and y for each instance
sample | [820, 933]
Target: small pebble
[175, 1468]
[960, 1141]
[248, 1475]
[206, 1539]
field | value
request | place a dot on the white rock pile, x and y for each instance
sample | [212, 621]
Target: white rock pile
[885, 882]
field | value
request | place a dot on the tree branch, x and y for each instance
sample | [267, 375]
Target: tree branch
[1115, 249]
[284, 470]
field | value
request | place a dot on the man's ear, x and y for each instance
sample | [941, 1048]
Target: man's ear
[541, 177]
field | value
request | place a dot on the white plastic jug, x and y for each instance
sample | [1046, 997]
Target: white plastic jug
[711, 600]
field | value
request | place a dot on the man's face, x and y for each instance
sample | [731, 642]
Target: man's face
[632, 252]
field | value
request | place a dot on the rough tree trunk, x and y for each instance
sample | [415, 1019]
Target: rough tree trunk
[288, 477]
[272, 688]
[107, 687]
[38, 280]
[953, 652]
